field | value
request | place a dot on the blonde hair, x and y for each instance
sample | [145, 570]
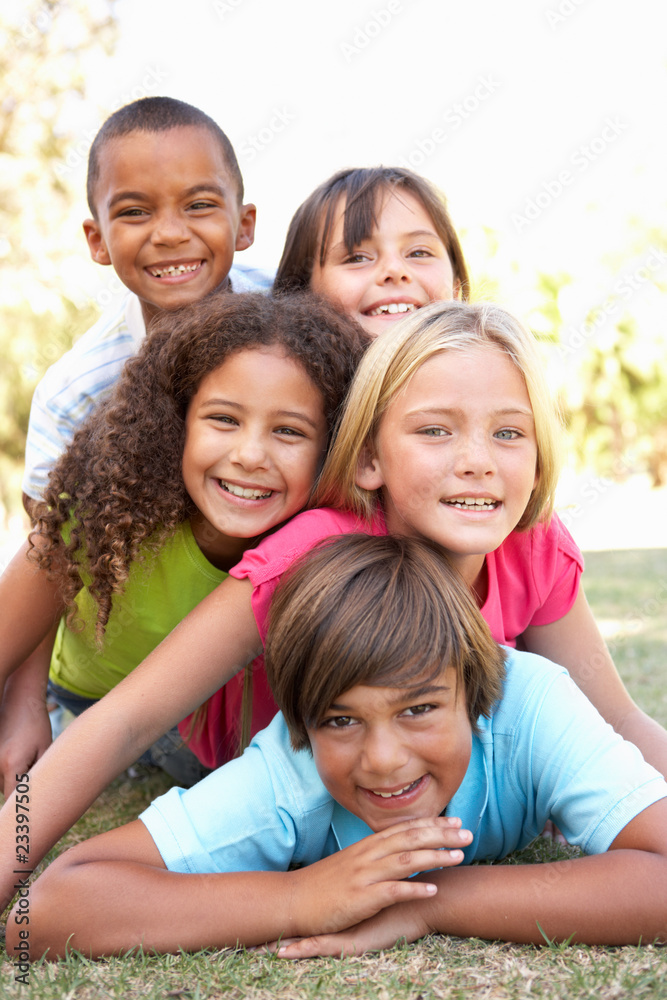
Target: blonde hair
[394, 358]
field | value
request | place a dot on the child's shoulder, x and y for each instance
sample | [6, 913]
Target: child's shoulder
[109, 342]
[546, 539]
[279, 550]
[528, 680]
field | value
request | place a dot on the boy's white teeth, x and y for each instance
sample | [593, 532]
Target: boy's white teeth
[464, 503]
[393, 307]
[245, 492]
[174, 269]
[391, 795]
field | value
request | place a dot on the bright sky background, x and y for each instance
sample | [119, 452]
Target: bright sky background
[494, 102]
[519, 92]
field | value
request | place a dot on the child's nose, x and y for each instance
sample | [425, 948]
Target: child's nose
[169, 230]
[249, 452]
[474, 456]
[393, 269]
[384, 754]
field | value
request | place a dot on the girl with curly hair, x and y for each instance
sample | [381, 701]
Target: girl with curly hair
[213, 436]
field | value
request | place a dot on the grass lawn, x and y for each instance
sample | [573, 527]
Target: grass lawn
[628, 592]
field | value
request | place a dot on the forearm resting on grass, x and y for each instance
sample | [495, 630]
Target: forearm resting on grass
[113, 893]
[184, 670]
[614, 898]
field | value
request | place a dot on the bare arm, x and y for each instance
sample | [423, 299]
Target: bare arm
[25, 728]
[29, 609]
[575, 642]
[613, 898]
[209, 646]
[113, 893]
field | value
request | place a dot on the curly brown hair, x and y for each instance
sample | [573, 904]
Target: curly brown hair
[117, 492]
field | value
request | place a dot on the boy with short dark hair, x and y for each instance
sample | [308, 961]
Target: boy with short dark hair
[387, 673]
[166, 198]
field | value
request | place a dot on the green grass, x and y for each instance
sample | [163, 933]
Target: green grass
[628, 593]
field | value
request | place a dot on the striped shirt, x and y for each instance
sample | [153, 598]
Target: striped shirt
[85, 375]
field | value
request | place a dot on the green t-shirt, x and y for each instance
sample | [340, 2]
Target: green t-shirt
[159, 593]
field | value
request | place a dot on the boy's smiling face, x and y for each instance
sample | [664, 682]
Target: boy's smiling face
[388, 754]
[168, 216]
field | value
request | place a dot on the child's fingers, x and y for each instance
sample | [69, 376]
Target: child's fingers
[333, 945]
[408, 845]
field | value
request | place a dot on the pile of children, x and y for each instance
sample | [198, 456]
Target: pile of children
[189, 452]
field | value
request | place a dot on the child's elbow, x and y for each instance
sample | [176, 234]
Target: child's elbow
[38, 923]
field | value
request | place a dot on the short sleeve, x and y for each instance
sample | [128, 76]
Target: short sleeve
[264, 811]
[533, 579]
[265, 565]
[575, 768]
[558, 565]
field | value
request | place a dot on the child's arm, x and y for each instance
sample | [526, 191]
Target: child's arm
[575, 642]
[614, 898]
[25, 728]
[216, 640]
[113, 893]
[30, 608]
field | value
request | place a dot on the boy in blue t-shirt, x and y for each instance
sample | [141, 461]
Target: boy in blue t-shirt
[409, 742]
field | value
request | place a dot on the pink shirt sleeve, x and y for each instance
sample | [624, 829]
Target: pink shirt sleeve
[533, 579]
[264, 565]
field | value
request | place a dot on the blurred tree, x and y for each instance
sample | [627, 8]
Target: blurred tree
[41, 44]
[609, 333]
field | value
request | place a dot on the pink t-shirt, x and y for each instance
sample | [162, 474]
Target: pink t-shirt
[533, 579]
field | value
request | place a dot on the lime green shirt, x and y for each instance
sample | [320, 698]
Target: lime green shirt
[160, 592]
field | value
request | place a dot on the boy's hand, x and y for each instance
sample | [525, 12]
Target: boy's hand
[356, 883]
[403, 922]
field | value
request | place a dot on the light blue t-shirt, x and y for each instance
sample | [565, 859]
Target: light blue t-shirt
[545, 753]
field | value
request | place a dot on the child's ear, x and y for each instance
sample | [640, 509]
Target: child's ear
[245, 236]
[369, 475]
[95, 240]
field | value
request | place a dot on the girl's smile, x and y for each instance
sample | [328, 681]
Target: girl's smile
[388, 754]
[255, 435]
[402, 266]
[456, 454]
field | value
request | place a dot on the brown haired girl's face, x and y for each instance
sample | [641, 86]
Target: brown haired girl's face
[255, 438]
[402, 266]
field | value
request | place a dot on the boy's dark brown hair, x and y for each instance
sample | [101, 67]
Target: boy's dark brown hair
[375, 610]
[156, 114]
[362, 190]
[119, 486]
